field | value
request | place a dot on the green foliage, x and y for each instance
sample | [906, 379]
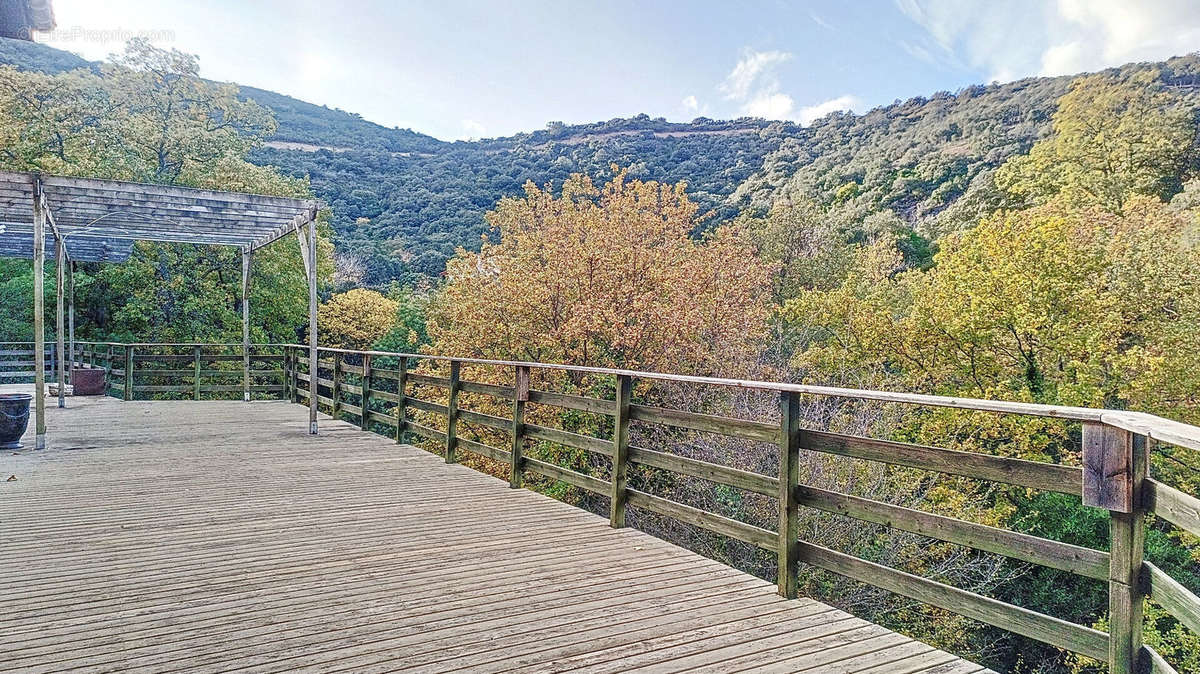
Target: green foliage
[1114, 138]
[1051, 304]
[404, 202]
[1081, 292]
[16, 300]
[356, 318]
[408, 333]
[147, 117]
[407, 212]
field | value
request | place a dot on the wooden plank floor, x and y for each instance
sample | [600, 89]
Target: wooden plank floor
[217, 537]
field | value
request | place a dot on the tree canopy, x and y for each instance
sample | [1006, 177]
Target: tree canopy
[147, 117]
[604, 276]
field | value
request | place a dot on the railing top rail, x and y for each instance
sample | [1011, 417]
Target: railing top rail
[180, 344]
[1149, 425]
[1152, 426]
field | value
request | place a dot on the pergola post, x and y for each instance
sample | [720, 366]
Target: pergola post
[308, 255]
[312, 322]
[246, 255]
[71, 318]
[39, 310]
[60, 265]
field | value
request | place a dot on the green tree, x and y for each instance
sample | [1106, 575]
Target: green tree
[408, 333]
[148, 117]
[1053, 304]
[1113, 138]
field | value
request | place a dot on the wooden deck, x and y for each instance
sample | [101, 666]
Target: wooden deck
[215, 537]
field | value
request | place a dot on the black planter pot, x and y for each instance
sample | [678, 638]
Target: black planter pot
[14, 418]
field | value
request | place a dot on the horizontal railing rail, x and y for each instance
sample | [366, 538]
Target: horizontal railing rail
[187, 370]
[1149, 425]
[422, 396]
[18, 365]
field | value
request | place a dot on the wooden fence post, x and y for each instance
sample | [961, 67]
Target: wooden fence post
[520, 397]
[246, 258]
[129, 372]
[60, 353]
[366, 392]
[288, 371]
[789, 477]
[336, 392]
[620, 461]
[196, 372]
[401, 386]
[1114, 470]
[452, 411]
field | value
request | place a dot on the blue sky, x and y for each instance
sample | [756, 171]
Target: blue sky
[484, 68]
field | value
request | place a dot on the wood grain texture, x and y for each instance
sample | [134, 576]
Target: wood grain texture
[1079, 560]
[1107, 468]
[177, 537]
[1044, 628]
[1169, 593]
[1174, 506]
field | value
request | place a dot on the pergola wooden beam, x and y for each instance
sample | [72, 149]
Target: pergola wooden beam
[19, 244]
[60, 264]
[95, 220]
[296, 223]
[246, 254]
[39, 316]
[165, 213]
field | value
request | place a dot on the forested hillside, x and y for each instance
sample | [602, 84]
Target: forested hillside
[400, 214]
[403, 201]
[1033, 241]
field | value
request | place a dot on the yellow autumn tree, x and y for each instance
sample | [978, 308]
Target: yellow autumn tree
[597, 276]
[1052, 304]
[1113, 139]
[356, 318]
[605, 276]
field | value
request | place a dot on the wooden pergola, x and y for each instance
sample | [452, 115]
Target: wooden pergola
[93, 220]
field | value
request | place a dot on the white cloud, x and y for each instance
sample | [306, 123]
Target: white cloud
[754, 70]
[1022, 38]
[1106, 33]
[810, 113]
[690, 105]
[754, 85]
[820, 22]
[769, 105]
[472, 130]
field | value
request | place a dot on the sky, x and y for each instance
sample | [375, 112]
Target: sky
[458, 69]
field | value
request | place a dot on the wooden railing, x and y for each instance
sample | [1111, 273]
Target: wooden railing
[195, 371]
[378, 390]
[17, 362]
[404, 395]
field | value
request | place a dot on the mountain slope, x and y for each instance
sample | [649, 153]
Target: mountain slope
[928, 161]
[404, 201]
[404, 213]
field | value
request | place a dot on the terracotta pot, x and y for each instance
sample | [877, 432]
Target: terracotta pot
[14, 418]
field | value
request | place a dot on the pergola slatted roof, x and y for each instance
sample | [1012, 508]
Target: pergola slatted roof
[98, 218]
[86, 249]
